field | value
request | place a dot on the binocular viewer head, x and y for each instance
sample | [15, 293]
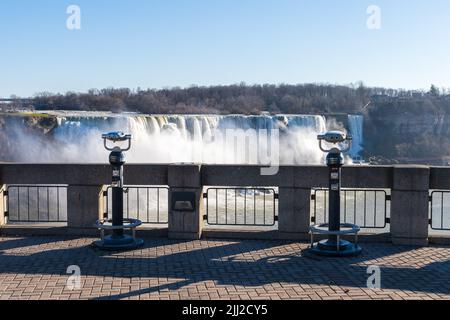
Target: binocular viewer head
[335, 137]
[114, 137]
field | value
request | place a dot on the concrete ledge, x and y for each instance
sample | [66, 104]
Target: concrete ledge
[80, 174]
[232, 234]
[277, 235]
[184, 176]
[295, 176]
[439, 240]
[363, 176]
[440, 178]
[363, 238]
[183, 236]
[411, 178]
[252, 235]
[422, 242]
[23, 230]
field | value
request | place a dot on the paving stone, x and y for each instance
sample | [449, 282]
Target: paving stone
[34, 268]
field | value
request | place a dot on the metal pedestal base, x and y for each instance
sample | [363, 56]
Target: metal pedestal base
[330, 249]
[112, 243]
[338, 247]
[115, 242]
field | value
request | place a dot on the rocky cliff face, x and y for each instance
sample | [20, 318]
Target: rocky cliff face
[414, 133]
[19, 134]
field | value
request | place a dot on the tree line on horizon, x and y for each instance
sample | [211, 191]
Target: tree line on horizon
[242, 99]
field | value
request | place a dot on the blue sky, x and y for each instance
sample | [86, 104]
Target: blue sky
[165, 43]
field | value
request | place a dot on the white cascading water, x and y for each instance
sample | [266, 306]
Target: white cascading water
[356, 125]
[187, 138]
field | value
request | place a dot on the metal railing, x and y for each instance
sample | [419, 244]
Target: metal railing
[36, 203]
[440, 210]
[366, 208]
[241, 207]
[147, 204]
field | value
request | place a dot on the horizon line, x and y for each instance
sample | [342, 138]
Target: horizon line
[352, 85]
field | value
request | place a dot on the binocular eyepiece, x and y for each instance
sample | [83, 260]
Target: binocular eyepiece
[116, 136]
[335, 137]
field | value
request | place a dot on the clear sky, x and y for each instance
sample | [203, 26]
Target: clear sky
[166, 43]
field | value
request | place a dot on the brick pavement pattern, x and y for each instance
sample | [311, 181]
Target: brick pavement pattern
[36, 268]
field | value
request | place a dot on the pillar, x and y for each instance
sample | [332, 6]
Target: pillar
[409, 205]
[185, 180]
[294, 210]
[83, 206]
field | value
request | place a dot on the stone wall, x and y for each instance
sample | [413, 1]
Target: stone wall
[410, 187]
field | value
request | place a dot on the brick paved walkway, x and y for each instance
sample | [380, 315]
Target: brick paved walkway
[35, 268]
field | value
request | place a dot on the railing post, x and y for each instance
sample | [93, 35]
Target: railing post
[83, 207]
[409, 206]
[2, 205]
[185, 224]
[294, 210]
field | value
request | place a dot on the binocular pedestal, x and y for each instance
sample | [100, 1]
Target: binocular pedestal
[334, 245]
[118, 240]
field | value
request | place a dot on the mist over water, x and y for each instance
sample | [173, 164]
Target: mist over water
[209, 139]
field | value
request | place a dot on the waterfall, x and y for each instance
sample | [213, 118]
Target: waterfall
[179, 138]
[197, 127]
[356, 125]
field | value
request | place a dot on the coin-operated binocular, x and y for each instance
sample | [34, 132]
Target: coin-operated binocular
[117, 156]
[117, 225]
[334, 229]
